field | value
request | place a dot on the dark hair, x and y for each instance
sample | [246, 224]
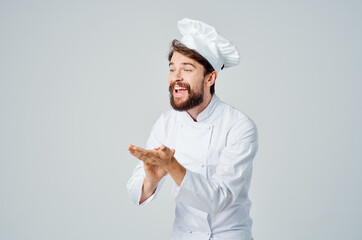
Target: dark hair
[177, 46]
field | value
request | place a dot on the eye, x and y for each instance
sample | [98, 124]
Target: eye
[187, 70]
[172, 70]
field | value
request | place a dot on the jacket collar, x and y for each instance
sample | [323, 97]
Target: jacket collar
[207, 112]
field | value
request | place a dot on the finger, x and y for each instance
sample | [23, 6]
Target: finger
[147, 156]
[139, 149]
[130, 147]
[135, 154]
[166, 150]
[144, 152]
[146, 165]
[135, 151]
[131, 151]
[148, 161]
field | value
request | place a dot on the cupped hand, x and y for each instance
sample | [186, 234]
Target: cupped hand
[161, 156]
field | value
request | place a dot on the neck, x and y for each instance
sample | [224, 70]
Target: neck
[194, 112]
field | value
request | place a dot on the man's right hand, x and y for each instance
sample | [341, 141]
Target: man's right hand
[154, 174]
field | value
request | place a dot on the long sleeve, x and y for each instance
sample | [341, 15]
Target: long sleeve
[135, 183]
[231, 177]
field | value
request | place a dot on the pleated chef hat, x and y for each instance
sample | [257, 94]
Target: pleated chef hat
[208, 43]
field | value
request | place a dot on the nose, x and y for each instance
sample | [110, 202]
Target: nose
[176, 76]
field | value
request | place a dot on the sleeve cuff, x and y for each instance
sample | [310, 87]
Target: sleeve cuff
[176, 190]
[150, 198]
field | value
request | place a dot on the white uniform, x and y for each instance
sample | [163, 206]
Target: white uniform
[217, 151]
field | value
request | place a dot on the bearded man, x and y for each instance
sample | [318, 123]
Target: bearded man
[205, 145]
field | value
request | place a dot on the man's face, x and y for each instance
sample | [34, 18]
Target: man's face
[186, 82]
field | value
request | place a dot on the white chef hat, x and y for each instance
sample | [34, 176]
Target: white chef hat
[208, 43]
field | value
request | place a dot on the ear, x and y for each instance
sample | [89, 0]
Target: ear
[211, 78]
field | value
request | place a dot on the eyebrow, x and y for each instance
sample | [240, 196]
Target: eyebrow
[185, 63]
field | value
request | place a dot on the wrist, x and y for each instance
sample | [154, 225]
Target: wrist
[150, 182]
[148, 189]
[149, 186]
[172, 164]
[176, 170]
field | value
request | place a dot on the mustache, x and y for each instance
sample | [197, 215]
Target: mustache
[180, 84]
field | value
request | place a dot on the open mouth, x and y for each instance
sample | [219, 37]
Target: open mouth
[179, 91]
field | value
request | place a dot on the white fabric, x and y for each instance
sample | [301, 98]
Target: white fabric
[217, 151]
[208, 43]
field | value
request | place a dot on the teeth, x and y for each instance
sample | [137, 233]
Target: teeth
[180, 88]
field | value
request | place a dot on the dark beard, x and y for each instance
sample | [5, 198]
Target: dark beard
[195, 99]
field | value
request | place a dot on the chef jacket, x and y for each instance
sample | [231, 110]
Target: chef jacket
[217, 151]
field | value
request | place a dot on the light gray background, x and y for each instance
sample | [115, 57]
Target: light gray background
[80, 80]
